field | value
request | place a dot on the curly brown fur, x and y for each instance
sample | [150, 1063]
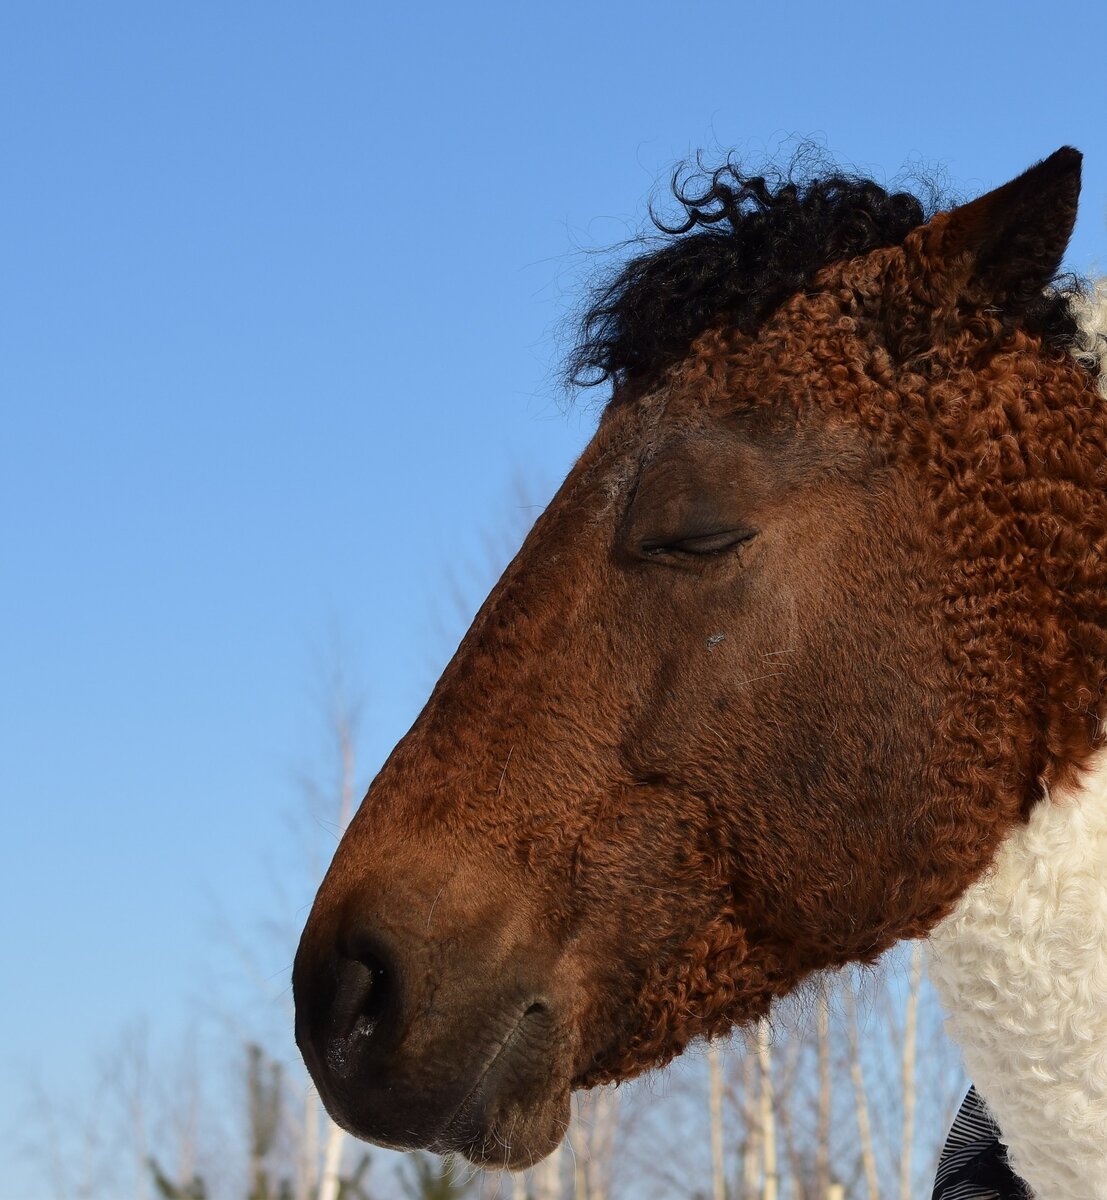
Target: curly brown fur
[1012, 453]
[818, 612]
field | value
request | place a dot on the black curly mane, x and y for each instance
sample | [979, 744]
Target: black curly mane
[744, 245]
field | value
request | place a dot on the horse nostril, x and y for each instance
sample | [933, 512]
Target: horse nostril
[374, 997]
[361, 997]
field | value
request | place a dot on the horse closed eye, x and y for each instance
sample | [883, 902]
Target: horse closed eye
[702, 545]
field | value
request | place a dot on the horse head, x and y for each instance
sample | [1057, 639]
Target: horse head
[819, 610]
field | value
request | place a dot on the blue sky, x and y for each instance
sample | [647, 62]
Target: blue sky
[280, 291]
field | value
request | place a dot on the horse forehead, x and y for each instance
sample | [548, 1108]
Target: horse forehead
[629, 436]
[694, 401]
[727, 371]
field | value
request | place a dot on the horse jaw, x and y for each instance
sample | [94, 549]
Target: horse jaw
[1021, 968]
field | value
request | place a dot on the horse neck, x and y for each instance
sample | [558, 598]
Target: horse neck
[1021, 968]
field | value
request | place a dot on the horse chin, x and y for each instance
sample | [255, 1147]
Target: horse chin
[512, 1117]
[516, 1136]
[518, 1110]
[516, 1113]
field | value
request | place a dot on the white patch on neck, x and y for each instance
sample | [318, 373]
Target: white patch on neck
[1090, 347]
[1021, 969]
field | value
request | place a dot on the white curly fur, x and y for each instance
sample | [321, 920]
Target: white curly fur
[1090, 346]
[1021, 969]
[1021, 963]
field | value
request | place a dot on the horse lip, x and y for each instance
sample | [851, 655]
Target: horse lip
[454, 1135]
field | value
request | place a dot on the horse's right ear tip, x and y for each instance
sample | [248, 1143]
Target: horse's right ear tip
[1065, 159]
[1057, 173]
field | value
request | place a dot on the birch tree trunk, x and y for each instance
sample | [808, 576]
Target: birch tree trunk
[822, 1145]
[308, 1164]
[718, 1168]
[331, 1177]
[770, 1185]
[908, 1065]
[751, 1151]
[546, 1177]
[861, 1100]
[591, 1139]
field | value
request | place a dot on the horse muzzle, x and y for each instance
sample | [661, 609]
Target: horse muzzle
[448, 1043]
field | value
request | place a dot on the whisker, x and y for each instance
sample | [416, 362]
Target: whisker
[504, 771]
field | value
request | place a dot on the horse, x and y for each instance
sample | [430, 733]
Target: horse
[806, 656]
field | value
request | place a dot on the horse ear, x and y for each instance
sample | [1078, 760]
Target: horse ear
[1001, 250]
